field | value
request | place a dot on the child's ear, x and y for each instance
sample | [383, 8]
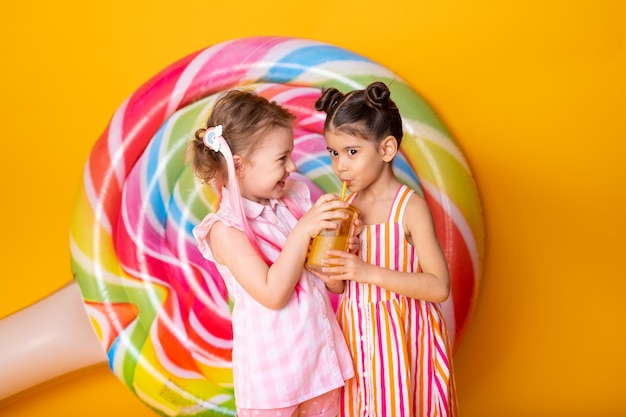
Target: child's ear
[388, 148]
[238, 162]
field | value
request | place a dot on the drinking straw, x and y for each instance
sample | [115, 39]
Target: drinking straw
[344, 185]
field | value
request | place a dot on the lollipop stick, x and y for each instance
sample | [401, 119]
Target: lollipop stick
[47, 339]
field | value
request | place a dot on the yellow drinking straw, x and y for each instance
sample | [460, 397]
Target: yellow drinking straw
[344, 185]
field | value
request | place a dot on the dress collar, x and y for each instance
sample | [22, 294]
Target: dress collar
[250, 208]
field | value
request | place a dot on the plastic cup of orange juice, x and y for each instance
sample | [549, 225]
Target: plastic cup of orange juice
[329, 239]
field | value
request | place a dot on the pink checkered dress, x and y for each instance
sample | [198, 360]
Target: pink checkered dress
[280, 357]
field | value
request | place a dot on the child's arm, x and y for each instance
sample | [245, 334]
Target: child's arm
[333, 285]
[273, 285]
[431, 284]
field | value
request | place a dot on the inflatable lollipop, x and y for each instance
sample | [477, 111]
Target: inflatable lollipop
[160, 310]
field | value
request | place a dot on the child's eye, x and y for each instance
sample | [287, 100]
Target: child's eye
[332, 152]
[352, 151]
[285, 157]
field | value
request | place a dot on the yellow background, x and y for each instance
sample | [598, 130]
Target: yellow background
[534, 91]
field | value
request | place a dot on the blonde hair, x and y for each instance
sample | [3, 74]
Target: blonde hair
[245, 118]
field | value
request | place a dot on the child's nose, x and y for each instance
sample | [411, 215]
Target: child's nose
[341, 165]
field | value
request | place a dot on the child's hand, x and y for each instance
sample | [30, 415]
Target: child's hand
[333, 285]
[322, 214]
[343, 266]
[354, 243]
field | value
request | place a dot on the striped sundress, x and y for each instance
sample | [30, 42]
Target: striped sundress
[399, 345]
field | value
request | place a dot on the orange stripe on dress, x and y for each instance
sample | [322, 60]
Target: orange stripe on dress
[368, 253]
[387, 244]
[393, 347]
[373, 387]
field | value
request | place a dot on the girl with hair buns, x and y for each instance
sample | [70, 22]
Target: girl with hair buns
[390, 312]
[289, 355]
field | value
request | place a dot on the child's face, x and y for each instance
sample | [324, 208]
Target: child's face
[264, 172]
[354, 159]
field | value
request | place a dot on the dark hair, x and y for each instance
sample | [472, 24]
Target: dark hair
[245, 118]
[369, 113]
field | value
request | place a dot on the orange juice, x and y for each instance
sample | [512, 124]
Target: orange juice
[321, 244]
[332, 239]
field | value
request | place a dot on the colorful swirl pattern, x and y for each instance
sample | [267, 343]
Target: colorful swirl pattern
[160, 310]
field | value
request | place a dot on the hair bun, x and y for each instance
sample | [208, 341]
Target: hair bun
[377, 94]
[329, 99]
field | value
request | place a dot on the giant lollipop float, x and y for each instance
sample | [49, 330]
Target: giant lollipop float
[159, 309]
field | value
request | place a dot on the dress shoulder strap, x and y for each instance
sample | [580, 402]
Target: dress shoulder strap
[398, 207]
